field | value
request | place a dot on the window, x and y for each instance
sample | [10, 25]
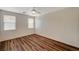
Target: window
[9, 22]
[30, 23]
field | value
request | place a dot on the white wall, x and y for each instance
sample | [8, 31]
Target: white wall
[21, 27]
[62, 26]
[0, 26]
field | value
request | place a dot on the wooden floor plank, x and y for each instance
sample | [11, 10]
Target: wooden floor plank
[35, 42]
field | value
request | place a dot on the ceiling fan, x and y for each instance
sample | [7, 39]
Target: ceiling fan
[35, 12]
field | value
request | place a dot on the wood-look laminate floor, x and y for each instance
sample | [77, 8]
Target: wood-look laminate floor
[34, 43]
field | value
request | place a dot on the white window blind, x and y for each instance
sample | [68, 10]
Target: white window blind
[30, 23]
[9, 22]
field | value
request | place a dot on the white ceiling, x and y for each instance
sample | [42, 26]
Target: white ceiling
[27, 10]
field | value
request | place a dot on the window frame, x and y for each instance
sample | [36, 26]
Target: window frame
[13, 29]
[29, 23]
